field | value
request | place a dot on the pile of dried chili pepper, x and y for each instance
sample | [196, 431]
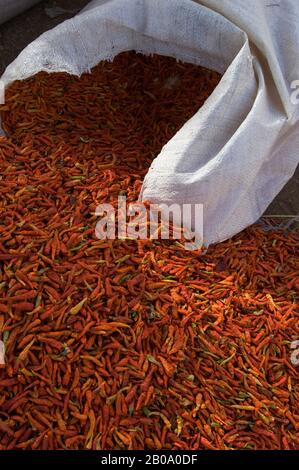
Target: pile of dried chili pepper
[123, 344]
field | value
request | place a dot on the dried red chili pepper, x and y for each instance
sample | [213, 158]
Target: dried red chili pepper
[125, 344]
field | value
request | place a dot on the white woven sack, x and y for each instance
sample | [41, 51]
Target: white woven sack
[237, 152]
[11, 8]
